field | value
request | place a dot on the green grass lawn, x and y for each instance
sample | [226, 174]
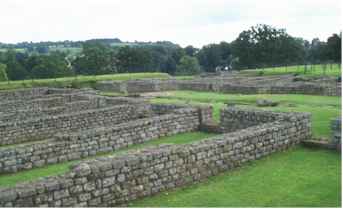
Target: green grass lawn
[322, 108]
[317, 70]
[299, 177]
[53, 170]
[79, 81]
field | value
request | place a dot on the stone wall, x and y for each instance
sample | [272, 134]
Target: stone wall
[116, 180]
[44, 127]
[40, 111]
[72, 146]
[22, 94]
[31, 93]
[233, 119]
[336, 129]
[257, 86]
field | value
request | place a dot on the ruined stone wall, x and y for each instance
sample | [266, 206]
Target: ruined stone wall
[205, 112]
[15, 106]
[72, 146]
[28, 109]
[35, 112]
[22, 94]
[223, 85]
[336, 129]
[233, 119]
[243, 89]
[138, 86]
[111, 181]
[44, 127]
[111, 86]
[31, 93]
[40, 102]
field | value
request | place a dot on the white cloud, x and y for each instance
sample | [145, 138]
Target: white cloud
[195, 22]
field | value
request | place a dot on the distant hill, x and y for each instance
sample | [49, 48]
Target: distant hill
[65, 45]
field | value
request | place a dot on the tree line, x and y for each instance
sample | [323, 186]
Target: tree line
[258, 47]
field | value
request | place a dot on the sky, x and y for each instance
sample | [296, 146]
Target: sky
[185, 22]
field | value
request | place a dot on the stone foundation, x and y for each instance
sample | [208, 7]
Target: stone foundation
[81, 144]
[235, 84]
[116, 180]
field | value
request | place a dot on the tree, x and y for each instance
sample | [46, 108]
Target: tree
[209, 57]
[188, 66]
[49, 66]
[170, 66]
[190, 50]
[264, 45]
[15, 70]
[42, 49]
[334, 50]
[96, 58]
[3, 74]
[133, 59]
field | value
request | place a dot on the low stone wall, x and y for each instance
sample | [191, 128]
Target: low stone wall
[44, 127]
[13, 106]
[116, 180]
[72, 146]
[69, 107]
[29, 104]
[243, 89]
[22, 94]
[111, 86]
[205, 112]
[233, 119]
[223, 85]
[336, 129]
[165, 108]
[16, 112]
[31, 93]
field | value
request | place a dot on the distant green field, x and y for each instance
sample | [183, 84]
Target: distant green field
[71, 51]
[322, 108]
[316, 70]
[17, 49]
[79, 81]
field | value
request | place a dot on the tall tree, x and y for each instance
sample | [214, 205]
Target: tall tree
[3, 74]
[264, 45]
[50, 66]
[96, 58]
[190, 50]
[188, 66]
[209, 57]
[133, 59]
[334, 47]
[15, 70]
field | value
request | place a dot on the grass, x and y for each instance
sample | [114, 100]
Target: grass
[79, 81]
[299, 177]
[317, 70]
[322, 108]
[71, 51]
[56, 169]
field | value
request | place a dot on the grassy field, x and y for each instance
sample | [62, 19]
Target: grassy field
[322, 108]
[79, 81]
[53, 170]
[299, 177]
[71, 51]
[317, 70]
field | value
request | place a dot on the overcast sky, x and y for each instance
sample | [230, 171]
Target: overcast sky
[195, 22]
